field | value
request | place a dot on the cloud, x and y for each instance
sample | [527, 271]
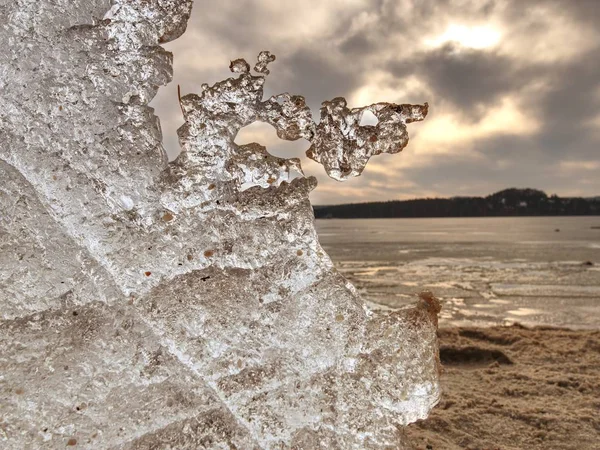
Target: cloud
[579, 165]
[514, 86]
[478, 37]
[445, 133]
[469, 80]
[316, 76]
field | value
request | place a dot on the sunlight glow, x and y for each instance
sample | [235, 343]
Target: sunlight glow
[472, 37]
[447, 133]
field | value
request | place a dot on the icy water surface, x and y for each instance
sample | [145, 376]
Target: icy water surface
[533, 270]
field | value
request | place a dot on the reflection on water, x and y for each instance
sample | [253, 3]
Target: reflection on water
[485, 270]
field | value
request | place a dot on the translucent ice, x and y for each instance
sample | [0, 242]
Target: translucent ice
[146, 304]
[344, 146]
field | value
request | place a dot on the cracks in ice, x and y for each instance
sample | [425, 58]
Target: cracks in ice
[214, 256]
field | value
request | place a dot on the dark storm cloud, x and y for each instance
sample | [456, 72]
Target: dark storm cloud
[537, 66]
[471, 80]
[569, 106]
[316, 77]
[359, 44]
[584, 11]
[474, 80]
[572, 99]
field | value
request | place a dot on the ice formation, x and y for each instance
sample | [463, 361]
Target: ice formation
[344, 147]
[186, 305]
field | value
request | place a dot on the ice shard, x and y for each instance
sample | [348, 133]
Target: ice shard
[344, 146]
[185, 305]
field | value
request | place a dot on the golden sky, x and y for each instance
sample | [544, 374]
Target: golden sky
[513, 86]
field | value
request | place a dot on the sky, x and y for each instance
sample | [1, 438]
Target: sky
[513, 86]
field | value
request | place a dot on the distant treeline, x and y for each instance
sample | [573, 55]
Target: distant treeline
[509, 202]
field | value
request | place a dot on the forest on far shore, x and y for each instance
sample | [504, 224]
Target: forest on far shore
[509, 202]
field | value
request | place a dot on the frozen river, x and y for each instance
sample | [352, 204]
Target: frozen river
[533, 270]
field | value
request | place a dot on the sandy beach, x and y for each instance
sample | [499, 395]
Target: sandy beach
[505, 386]
[515, 388]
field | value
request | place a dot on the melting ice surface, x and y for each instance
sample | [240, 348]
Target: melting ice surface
[485, 270]
[147, 304]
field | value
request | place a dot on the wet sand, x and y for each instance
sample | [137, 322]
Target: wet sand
[515, 388]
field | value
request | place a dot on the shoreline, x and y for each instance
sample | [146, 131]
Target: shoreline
[514, 387]
[465, 217]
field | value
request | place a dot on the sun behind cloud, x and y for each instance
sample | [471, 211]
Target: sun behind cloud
[477, 37]
[513, 86]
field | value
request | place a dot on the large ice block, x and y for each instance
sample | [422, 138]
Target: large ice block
[185, 305]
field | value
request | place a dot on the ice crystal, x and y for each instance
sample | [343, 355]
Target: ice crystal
[146, 304]
[344, 146]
